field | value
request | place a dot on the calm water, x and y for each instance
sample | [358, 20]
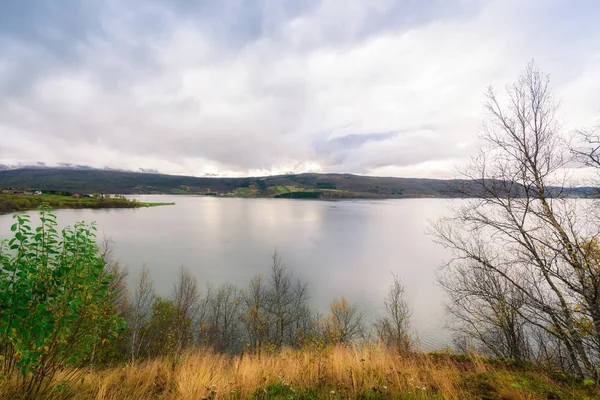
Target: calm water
[341, 248]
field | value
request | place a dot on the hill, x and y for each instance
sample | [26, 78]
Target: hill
[294, 186]
[322, 185]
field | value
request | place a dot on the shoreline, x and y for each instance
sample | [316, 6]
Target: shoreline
[13, 203]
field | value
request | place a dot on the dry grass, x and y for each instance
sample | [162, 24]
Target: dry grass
[336, 373]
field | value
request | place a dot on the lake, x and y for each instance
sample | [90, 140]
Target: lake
[344, 248]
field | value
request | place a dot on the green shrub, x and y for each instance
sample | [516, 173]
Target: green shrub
[55, 302]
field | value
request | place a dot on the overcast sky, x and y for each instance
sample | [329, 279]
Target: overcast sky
[376, 87]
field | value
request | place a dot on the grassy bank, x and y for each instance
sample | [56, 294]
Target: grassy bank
[21, 202]
[334, 373]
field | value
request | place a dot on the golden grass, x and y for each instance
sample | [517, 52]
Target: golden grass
[335, 373]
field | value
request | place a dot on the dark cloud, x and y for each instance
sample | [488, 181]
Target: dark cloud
[338, 150]
[352, 141]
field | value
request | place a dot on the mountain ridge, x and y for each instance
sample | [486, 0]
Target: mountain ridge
[306, 185]
[129, 182]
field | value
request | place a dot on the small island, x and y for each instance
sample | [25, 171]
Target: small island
[12, 200]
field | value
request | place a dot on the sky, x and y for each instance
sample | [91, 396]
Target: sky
[242, 87]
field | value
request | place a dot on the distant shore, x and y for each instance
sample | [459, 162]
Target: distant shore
[14, 202]
[295, 186]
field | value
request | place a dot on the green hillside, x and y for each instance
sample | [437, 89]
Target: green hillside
[283, 186]
[294, 186]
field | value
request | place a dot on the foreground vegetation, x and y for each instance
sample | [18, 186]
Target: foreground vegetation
[22, 202]
[338, 372]
[72, 328]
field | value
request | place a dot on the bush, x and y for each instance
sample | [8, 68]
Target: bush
[55, 302]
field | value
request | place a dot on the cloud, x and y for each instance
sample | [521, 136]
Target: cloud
[237, 88]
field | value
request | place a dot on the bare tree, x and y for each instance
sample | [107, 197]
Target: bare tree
[344, 324]
[118, 285]
[286, 304]
[521, 232]
[392, 329]
[186, 298]
[141, 309]
[304, 320]
[219, 324]
[587, 149]
[485, 307]
[255, 318]
[161, 330]
[280, 300]
[118, 291]
[276, 311]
